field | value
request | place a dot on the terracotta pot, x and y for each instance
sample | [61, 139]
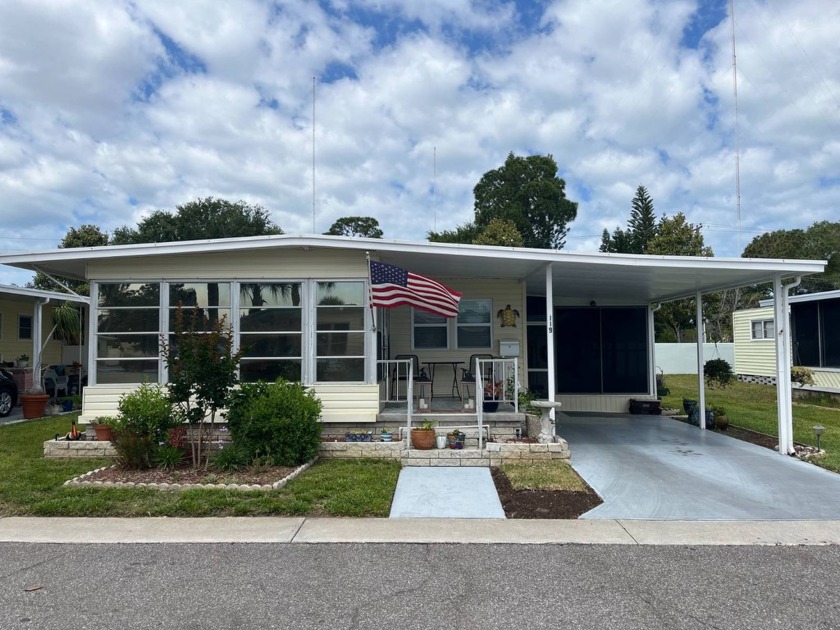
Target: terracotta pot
[104, 433]
[34, 405]
[423, 439]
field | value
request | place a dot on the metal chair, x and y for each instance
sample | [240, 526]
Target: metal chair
[468, 376]
[399, 373]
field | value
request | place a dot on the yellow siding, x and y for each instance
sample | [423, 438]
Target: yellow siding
[593, 402]
[10, 346]
[257, 264]
[756, 357]
[502, 293]
[825, 378]
[340, 403]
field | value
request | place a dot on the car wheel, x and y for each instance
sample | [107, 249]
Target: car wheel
[6, 403]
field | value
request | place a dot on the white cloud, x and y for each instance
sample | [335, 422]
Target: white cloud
[111, 110]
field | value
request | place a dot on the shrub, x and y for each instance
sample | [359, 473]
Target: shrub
[134, 451]
[230, 459]
[801, 375]
[168, 456]
[718, 373]
[278, 419]
[147, 412]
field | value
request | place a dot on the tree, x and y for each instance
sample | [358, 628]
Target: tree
[202, 373]
[87, 235]
[821, 241]
[201, 219]
[527, 192]
[364, 227]
[500, 232]
[641, 228]
[677, 237]
[466, 233]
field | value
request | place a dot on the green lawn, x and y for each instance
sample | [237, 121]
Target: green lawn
[754, 407]
[32, 485]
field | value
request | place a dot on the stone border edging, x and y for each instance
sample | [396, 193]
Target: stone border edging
[84, 481]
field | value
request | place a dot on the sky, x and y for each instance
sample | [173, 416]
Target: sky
[110, 110]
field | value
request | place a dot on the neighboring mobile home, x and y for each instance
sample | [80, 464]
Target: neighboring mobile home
[815, 335]
[25, 323]
[579, 325]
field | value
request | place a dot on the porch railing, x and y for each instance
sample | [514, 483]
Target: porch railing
[496, 381]
[394, 371]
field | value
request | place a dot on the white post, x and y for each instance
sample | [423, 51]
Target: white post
[37, 336]
[701, 402]
[549, 333]
[784, 404]
[652, 351]
[409, 389]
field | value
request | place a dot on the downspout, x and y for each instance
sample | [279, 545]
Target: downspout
[784, 396]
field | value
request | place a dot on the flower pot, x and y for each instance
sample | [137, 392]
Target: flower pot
[490, 407]
[423, 439]
[441, 441]
[104, 433]
[386, 437]
[33, 405]
[722, 422]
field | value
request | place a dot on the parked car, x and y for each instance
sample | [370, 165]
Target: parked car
[8, 393]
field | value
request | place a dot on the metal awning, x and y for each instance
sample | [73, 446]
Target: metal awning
[605, 278]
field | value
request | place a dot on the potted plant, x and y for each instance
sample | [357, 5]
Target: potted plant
[23, 360]
[423, 437]
[718, 373]
[104, 428]
[493, 391]
[721, 419]
[456, 439]
[386, 435]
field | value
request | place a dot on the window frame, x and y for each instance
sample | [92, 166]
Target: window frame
[488, 325]
[316, 330]
[31, 326]
[415, 325]
[763, 322]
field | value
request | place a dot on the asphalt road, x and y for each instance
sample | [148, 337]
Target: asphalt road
[412, 586]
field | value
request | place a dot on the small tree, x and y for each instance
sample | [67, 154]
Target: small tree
[202, 372]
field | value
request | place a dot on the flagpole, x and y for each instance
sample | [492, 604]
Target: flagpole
[370, 295]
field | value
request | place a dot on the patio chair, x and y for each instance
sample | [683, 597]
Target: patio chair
[55, 383]
[468, 377]
[400, 373]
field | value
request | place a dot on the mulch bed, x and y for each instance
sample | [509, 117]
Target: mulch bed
[185, 474]
[556, 504]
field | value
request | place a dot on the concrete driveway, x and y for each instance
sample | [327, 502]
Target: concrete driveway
[651, 467]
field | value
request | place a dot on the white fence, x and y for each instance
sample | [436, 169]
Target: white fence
[681, 358]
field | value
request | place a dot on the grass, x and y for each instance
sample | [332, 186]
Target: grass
[31, 485]
[548, 475]
[753, 406]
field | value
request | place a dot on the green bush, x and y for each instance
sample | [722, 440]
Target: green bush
[276, 420]
[134, 451]
[230, 459]
[147, 412]
[168, 456]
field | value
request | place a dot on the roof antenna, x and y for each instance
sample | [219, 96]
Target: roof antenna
[434, 188]
[313, 155]
[737, 143]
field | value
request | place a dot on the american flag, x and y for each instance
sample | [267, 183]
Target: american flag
[392, 286]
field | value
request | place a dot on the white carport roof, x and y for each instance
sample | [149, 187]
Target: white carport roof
[601, 277]
[6, 289]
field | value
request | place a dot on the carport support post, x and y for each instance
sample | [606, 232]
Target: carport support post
[37, 336]
[784, 405]
[549, 334]
[701, 402]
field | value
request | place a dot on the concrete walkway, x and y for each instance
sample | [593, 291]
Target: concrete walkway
[383, 530]
[446, 492]
[650, 467]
